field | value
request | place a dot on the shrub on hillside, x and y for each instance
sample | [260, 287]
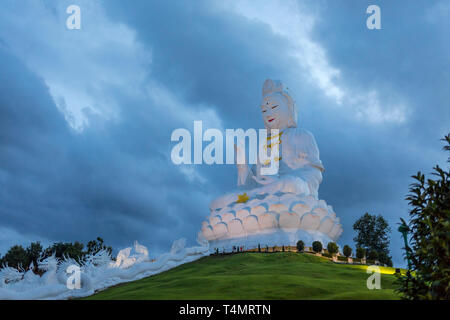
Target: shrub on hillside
[347, 251]
[332, 248]
[317, 246]
[300, 246]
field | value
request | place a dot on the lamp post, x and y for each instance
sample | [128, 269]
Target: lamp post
[404, 230]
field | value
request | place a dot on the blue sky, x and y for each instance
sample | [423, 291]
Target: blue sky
[86, 115]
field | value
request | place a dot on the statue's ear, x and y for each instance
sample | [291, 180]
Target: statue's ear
[292, 123]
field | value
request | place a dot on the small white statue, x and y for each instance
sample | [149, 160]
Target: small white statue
[287, 201]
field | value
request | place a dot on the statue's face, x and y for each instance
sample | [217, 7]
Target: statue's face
[276, 113]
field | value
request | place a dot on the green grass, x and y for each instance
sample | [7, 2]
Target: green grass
[280, 275]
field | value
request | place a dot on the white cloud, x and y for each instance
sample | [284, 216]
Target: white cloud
[77, 65]
[372, 109]
[291, 20]
[178, 111]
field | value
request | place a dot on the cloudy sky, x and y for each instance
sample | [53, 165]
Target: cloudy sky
[86, 115]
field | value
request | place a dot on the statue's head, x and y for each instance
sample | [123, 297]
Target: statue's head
[277, 106]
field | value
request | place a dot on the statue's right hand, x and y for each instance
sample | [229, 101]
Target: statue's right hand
[239, 156]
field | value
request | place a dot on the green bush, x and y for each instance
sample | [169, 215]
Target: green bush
[300, 246]
[429, 227]
[347, 251]
[317, 246]
[360, 253]
[332, 248]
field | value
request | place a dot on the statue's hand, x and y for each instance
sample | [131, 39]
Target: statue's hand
[239, 157]
[243, 172]
[264, 180]
[243, 168]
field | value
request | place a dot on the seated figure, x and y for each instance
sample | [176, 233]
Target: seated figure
[287, 200]
[300, 169]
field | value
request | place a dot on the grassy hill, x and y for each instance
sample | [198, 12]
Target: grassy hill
[283, 275]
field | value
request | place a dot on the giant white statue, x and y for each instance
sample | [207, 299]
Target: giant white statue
[276, 209]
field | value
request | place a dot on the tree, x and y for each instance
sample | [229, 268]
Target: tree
[373, 235]
[372, 255]
[71, 250]
[332, 248]
[259, 247]
[385, 259]
[16, 257]
[429, 227]
[300, 246]
[34, 251]
[360, 253]
[317, 246]
[347, 251]
[94, 246]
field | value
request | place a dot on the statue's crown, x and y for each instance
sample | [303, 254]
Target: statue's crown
[271, 86]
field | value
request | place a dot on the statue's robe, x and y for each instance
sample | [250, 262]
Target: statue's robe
[300, 170]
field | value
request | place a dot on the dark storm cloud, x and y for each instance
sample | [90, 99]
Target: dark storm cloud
[58, 184]
[115, 179]
[207, 56]
[409, 57]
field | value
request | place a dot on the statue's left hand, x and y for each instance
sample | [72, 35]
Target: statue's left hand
[264, 180]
